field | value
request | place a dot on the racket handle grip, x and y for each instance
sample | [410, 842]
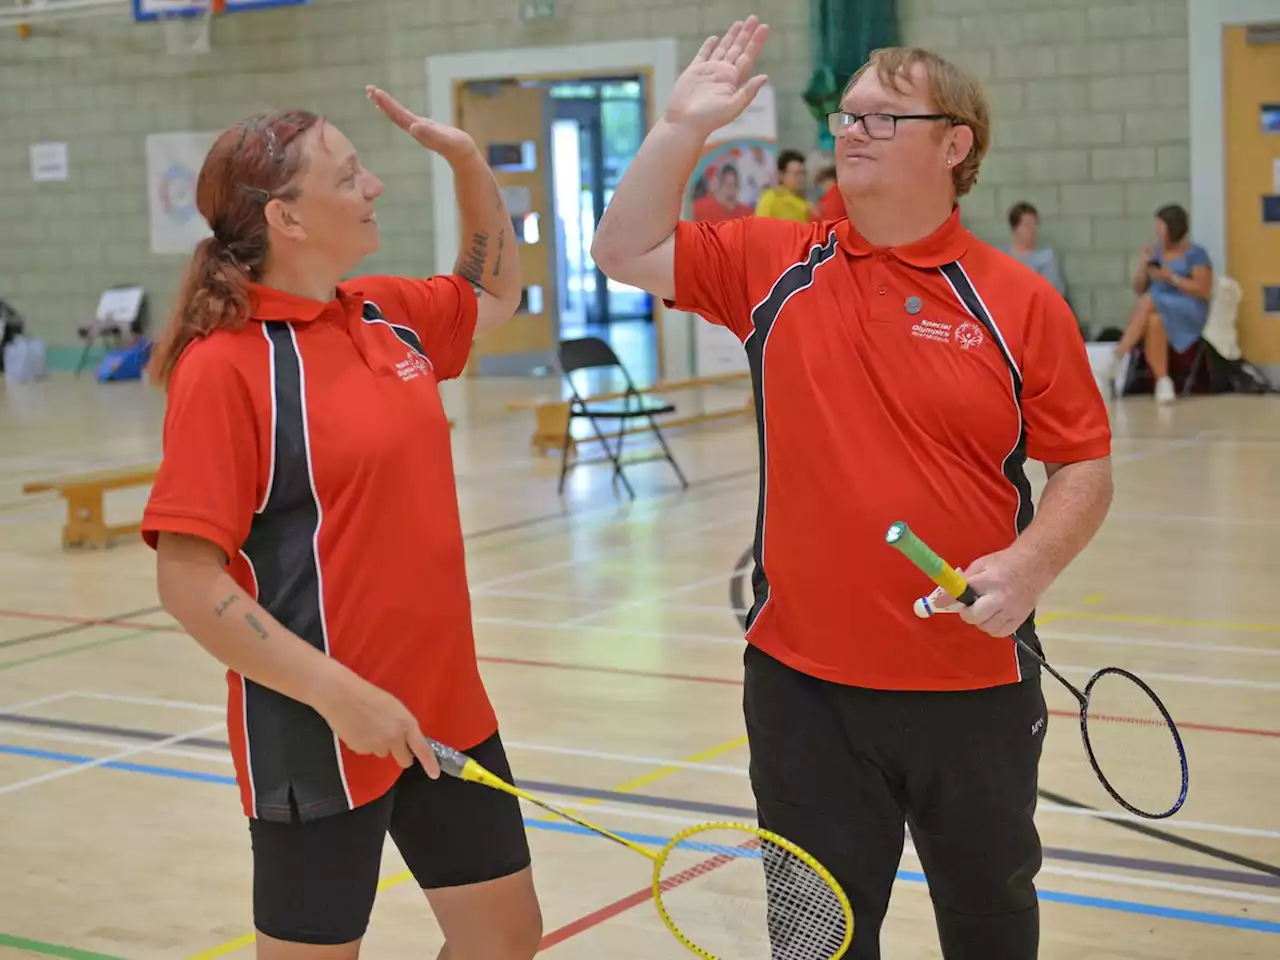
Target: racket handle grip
[452, 762]
[901, 537]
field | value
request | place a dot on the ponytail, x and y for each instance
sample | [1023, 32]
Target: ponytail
[214, 294]
[248, 166]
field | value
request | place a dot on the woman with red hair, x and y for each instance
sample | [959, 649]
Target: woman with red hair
[307, 534]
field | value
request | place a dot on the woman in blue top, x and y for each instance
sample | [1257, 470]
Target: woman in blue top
[1174, 283]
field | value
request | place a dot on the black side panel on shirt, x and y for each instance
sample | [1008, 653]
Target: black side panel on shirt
[1015, 463]
[794, 279]
[293, 754]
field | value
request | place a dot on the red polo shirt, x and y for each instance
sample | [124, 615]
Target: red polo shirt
[909, 383]
[311, 445]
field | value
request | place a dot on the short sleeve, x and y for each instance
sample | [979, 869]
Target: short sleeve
[1065, 413]
[208, 479]
[441, 310]
[711, 272]
[1198, 256]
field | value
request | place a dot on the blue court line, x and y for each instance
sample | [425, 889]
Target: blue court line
[649, 839]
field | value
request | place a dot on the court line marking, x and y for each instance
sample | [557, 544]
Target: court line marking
[741, 813]
[617, 606]
[635, 899]
[37, 702]
[186, 704]
[688, 536]
[674, 766]
[627, 632]
[1166, 621]
[627, 758]
[149, 701]
[1111, 640]
[27, 733]
[386, 883]
[68, 651]
[99, 761]
[909, 850]
[638, 800]
[52, 949]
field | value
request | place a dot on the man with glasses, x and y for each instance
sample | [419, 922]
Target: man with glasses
[903, 370]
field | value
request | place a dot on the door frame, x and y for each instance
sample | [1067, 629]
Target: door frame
[657, 58]
[1205, 20]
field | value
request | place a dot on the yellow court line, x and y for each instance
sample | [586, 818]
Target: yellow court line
[231, 946]
[663, 772]
[1093, 599]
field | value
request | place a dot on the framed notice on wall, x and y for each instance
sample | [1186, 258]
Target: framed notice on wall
[173, 165]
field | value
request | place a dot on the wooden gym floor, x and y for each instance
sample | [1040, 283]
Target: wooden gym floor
[613, 655]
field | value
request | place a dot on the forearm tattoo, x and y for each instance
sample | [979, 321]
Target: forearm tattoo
[254, 622]
[471, 267]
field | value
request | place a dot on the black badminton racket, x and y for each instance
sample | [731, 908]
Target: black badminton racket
[1131, 740]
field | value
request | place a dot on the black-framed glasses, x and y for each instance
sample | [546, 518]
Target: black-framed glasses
[879, 126]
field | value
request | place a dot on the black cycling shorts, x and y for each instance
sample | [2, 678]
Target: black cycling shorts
[314, 882]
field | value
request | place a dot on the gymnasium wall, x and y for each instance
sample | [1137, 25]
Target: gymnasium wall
[1089, 101]
[1090, 124]
[102, 85]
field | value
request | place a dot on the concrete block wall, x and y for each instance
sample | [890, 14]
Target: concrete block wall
[102, 85]
[1090, 124]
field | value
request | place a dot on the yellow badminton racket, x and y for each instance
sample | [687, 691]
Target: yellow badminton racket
[727, 891]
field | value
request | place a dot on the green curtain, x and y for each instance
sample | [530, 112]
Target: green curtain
[842, 34]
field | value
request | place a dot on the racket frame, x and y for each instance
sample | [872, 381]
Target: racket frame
[457, 764]
[1173, 728]
[954, 583]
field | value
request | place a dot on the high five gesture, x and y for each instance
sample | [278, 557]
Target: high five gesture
[634, 241]
[718, 85]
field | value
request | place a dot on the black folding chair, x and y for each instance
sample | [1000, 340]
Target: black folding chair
[592, 353]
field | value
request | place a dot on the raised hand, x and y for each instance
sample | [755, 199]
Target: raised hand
[450, 142]
[718, 85]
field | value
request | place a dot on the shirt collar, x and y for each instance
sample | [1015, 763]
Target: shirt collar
[946, 244]
[269, 303]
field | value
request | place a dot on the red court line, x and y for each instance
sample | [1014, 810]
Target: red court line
[615, 671]
[583, 924]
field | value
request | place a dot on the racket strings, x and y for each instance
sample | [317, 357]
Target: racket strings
[753, 899]
[805, 919]
[1134, 747]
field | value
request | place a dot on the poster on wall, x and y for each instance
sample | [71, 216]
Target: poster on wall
[173, 164]
[49, 162]
[737, 164]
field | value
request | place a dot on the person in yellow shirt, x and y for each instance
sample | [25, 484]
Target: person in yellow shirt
[787, 201]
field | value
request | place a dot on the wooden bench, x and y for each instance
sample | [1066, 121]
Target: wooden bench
[86, 520]
[552, 415]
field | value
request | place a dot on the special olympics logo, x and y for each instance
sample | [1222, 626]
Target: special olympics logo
[969, 335]
[177, 193]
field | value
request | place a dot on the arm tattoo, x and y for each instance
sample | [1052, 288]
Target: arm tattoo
[254, 622]
[471, 266]
[221, 608]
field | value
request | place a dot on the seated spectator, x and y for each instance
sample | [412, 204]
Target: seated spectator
[1024, 228]
[786, 200]
[1174, 284]
[723, 201]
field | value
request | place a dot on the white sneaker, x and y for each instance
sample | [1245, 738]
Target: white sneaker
[1164, 391]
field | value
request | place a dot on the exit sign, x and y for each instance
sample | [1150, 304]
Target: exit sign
[542, 9]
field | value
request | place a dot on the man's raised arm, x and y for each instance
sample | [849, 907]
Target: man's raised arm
[634, 242]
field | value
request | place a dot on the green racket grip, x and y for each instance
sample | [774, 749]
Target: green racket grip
[938, 570]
